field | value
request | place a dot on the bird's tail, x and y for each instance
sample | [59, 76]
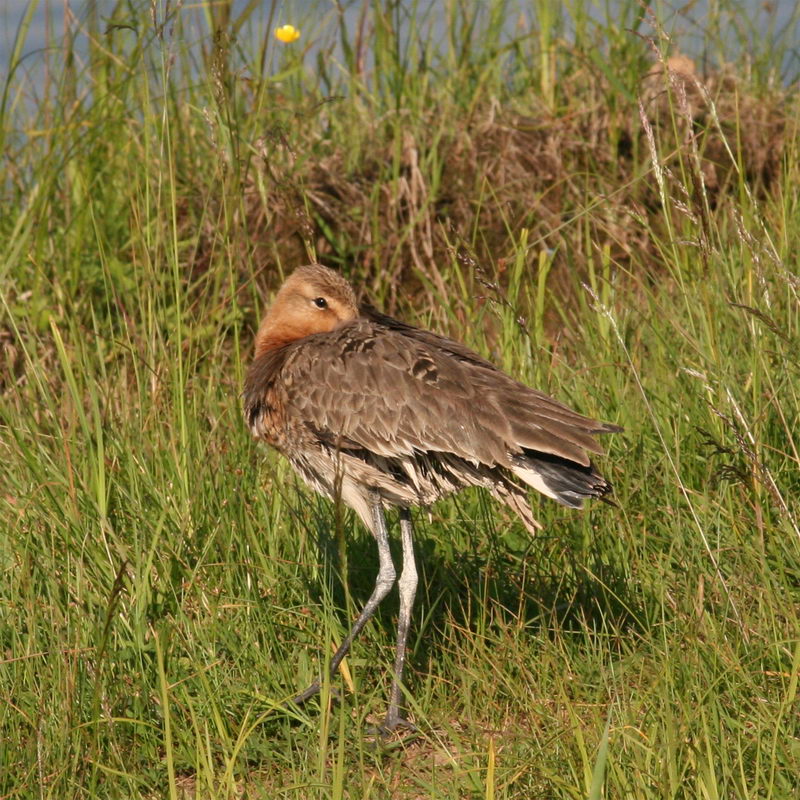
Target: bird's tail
[567, 482]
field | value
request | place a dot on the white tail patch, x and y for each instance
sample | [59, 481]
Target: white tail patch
[535, 481]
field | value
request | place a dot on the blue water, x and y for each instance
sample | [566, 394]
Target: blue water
[750, 24]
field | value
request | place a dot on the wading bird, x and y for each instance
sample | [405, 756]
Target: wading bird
[375, 412]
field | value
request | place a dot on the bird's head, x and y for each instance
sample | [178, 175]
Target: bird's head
[313, 299]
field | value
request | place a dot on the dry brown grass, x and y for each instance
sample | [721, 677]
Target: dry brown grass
[401, 208]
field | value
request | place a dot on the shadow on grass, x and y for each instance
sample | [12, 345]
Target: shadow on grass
[474, 578]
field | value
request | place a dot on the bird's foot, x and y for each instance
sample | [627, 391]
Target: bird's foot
[394, 726]
[396, 721]
[307, 694]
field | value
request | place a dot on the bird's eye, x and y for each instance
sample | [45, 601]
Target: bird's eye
[320, 302]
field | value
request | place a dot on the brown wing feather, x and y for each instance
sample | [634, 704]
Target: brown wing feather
[519, 400]
[392, 390]
[360, 387]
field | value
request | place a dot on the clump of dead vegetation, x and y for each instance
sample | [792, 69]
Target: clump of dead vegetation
[579, 178]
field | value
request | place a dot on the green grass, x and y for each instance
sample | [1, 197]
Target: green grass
[166, 583]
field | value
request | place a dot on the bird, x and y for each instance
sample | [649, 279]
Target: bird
[374, 412]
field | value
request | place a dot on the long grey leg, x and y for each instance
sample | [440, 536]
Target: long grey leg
[407, 585]
[383, 585]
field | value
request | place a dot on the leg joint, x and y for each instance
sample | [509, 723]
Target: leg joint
[408, 577]
[386, 575]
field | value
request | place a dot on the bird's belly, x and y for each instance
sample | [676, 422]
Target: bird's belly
[403, 481]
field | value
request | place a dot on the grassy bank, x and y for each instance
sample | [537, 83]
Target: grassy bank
[607, 219]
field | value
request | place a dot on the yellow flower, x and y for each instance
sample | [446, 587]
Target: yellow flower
[287, 34]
